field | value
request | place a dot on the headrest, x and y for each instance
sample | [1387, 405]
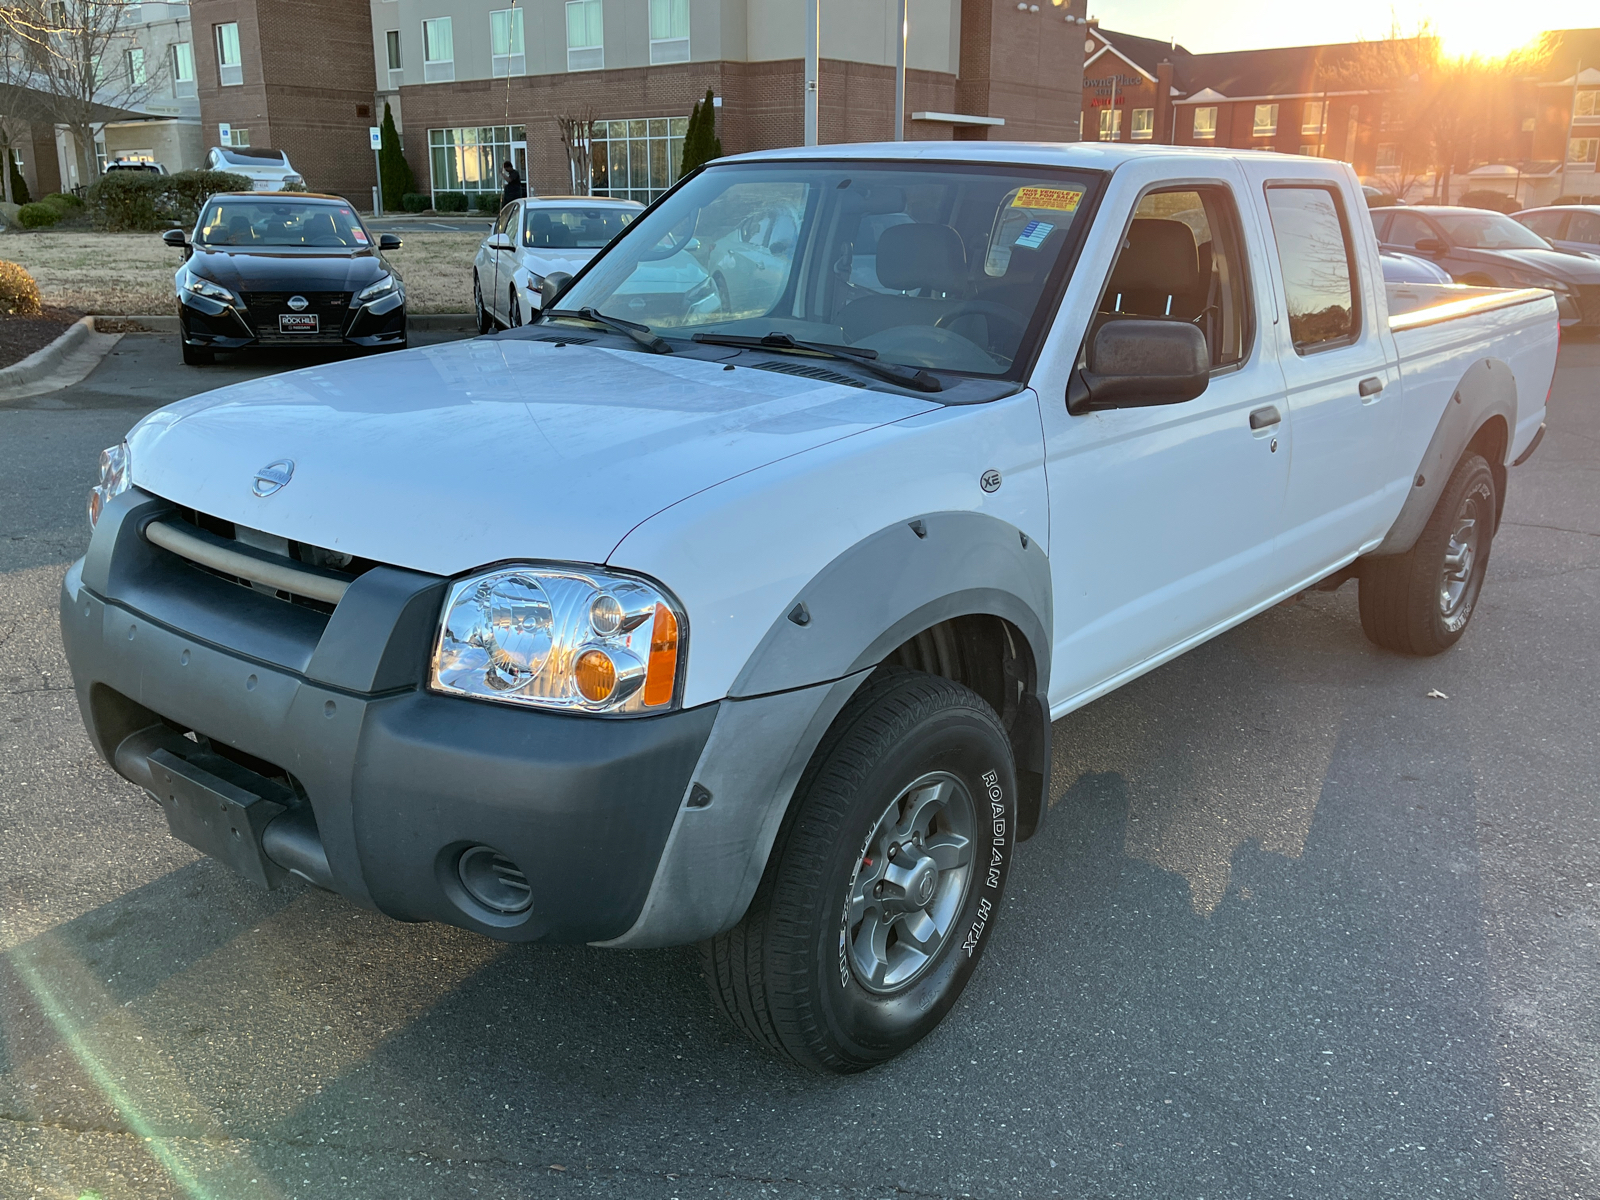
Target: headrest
[921, 256]
[1159, 256]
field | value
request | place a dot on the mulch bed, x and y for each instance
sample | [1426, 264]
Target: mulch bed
[21, 336]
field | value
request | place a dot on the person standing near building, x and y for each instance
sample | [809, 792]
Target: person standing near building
[514, 189]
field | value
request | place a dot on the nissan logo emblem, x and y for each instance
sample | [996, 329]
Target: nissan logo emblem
[299, 303]
[272, 477]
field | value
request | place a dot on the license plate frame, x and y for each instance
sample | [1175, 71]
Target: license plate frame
[216, 817]
[299, 323]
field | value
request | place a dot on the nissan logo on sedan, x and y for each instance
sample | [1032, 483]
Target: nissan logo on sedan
[299, 303]
[272, 477]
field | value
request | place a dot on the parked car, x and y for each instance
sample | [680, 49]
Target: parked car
[143, 165]
[1409, 268]
[749, 631]
[267, 170]
[285, 270]
[1574, 228]
[1490, 249]
[534, 238]
[1377, 197]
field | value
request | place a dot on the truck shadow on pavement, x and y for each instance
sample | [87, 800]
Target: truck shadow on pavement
[1245, 946]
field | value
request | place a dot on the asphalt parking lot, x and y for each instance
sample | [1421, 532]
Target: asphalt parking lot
[1294, 928]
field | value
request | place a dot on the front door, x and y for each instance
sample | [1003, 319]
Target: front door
[505, 262]
[1162, 519]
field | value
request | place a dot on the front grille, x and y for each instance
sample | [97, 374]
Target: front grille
[566, 341]
[1589, 303]
[331, 308]
[344, 566]
[809, 372]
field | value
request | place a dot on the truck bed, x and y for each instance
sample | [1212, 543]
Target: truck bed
[1412, 305]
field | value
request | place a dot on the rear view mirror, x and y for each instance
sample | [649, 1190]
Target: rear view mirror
[550, 291]
[502, 241]
[1134, 363]
[388, 241]
[175, 238]
[1430, 246]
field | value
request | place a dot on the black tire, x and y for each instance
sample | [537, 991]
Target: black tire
[480, 313]
[193, 356]
[514, 311]
[1420, 602]
[791, 974]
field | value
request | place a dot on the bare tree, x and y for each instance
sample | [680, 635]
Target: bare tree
[577, 135]
[83, 62]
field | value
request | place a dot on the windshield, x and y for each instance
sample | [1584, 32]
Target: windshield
[242, 222]
[936, 266]
[1489, 231]
[252, 158]
[574, 228]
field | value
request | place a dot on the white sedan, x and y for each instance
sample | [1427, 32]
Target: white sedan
[533, 238]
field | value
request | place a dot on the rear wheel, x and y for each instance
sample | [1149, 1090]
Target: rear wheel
[883, 884]
[485, 321]
[1420, 602]
[515, 309]
[194, 356]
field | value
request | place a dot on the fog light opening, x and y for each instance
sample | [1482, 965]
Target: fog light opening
[493, 880]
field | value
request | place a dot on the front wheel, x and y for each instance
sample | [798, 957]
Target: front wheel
[1420, 602]
[514, 309]
[884, 882]
[193, 356]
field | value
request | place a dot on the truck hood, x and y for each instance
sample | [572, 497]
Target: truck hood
[448, 457]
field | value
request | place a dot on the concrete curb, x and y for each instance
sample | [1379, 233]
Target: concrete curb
[167, 323]
[44, 361]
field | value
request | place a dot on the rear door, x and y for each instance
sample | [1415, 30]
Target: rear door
[505, 262]
[1163, 519]
[1337, 357]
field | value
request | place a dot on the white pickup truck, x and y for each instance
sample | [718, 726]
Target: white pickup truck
[736, 611]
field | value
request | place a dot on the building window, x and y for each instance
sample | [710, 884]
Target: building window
[1587, 105]
[236, 137]
[1143, 125]
[669, 31]
[1110, 124]
[1205, 122]
[1388, 157]
[468, 160]
[438, 51]
[182, 69]
[1529, 124]
[1266, 122]
[1583, 150]
[585, 36]
[134, 60]
[637, 159]
[230, 65]
[391, 45]
[1312, 118]
[505, 43]
[1308, 149]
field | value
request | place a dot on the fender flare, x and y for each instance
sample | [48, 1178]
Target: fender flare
[1487, 390]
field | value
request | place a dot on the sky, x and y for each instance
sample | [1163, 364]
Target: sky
[1467, 26]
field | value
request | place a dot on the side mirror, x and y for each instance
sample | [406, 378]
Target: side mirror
[502, 241]
[1430, 246]
[175, 238]
[1136, 363]
[388, 241]
[550, 291]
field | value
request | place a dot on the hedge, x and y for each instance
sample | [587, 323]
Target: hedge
[415, 202]
[1493, 201]
[65, 202]
[450, 202]
[486, 202]
[38, 215]
[19, 295]
[135, 202]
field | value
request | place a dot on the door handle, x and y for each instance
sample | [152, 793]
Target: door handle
[1264, 417]
[1370, 387]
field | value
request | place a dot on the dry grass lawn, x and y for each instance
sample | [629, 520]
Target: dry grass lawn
[128, 274]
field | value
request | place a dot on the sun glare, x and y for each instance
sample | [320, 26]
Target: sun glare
[1478, 30]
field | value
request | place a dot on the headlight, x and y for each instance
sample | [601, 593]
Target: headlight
[115, 477]
[211, 291]
[563, 638]
[383, 287]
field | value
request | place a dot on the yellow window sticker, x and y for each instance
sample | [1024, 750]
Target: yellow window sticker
[1058, 199]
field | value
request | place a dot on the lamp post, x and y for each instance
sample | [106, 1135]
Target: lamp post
[812, 38]
[900, 77]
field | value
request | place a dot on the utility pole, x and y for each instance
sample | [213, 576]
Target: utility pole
[1572, 120]
[813, 34]
[900, 77]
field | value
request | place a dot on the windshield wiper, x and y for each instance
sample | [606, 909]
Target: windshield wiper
[911, 377]
[639, 333]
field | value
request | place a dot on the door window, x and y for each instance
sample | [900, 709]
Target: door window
[1407, 229]
[1317, 264]
[507, 218]
[1545, 224]
[1183, 260]
[1584, 227]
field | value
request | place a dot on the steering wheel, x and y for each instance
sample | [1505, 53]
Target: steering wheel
[985, 308]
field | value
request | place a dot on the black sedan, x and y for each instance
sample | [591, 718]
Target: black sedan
[1491, 250]
[285, 269]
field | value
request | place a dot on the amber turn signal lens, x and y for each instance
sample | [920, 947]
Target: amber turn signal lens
[595, 675]
[661, 674]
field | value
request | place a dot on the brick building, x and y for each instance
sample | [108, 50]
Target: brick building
[473, 83]
[292, 75]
